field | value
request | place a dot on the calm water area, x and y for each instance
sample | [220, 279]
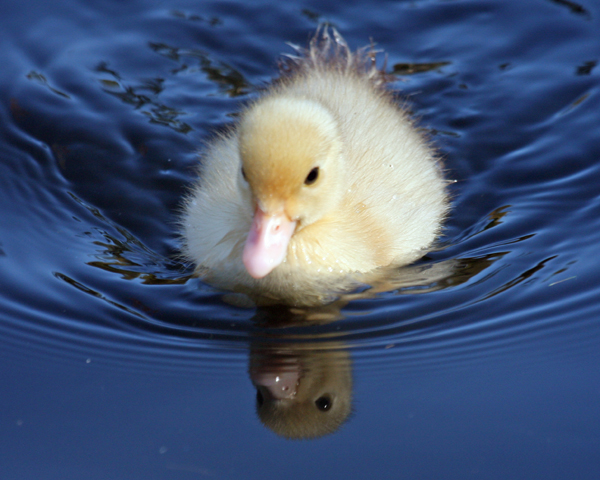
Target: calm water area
[116, 363]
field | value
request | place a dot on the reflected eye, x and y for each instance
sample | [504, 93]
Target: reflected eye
[244, 174]
[323, 403]
[312, 176]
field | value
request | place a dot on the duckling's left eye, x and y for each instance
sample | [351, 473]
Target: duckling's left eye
[312, 176]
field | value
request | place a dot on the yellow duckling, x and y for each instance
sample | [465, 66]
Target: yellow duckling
[322, 182]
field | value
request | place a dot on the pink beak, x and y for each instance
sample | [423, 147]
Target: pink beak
[267, 242]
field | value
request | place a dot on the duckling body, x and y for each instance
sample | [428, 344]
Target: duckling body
[322, 183]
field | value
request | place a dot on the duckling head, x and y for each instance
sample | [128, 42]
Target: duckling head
[291, 154]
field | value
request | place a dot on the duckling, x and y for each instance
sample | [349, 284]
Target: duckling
[323, 183]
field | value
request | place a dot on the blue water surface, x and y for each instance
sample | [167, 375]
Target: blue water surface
[115, 363]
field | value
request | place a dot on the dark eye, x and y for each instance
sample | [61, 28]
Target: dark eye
[312, 176]
[259, 398]
[323, 403]
[244, 174]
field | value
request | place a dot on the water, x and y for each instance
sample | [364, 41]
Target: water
[116, 364]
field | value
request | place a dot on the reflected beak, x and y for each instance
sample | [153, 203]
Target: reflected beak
[277, 386]
[276, 377]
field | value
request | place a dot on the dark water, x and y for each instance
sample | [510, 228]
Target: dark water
[115, 364]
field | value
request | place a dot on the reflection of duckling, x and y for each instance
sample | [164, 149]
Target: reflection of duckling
[323, 179]
[302, 393]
